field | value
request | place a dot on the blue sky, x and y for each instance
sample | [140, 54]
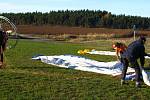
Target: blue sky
[127, 7]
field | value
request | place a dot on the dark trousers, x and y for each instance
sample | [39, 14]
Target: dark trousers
[2, 58]
[134, 64]
[1, 54]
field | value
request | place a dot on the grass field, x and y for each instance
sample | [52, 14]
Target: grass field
[25, 79]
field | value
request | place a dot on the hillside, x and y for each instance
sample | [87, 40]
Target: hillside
[32, 29]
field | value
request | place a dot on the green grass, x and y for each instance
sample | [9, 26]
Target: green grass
[27, 79]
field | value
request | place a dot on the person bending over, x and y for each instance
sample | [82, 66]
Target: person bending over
[119, 48]
[134, 51]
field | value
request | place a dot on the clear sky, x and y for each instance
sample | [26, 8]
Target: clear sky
[127, 7]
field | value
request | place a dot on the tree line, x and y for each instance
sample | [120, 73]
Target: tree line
[79, 18]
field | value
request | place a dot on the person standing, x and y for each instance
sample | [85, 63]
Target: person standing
[3, 41]
[134, 51]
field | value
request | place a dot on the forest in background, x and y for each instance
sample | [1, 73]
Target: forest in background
[80, 18]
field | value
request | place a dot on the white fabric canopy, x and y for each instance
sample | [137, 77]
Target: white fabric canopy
[113, 68]
[106, 53]
[80, 63]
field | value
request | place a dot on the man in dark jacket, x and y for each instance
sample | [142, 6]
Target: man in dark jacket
[3, 41]
[134, 51]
